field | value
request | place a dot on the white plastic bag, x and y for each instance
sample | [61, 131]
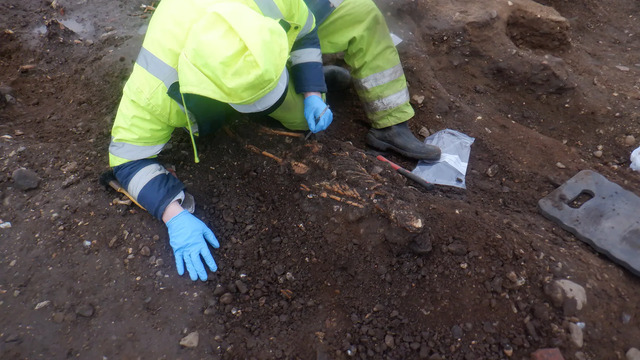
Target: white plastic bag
[635, 159]
[452, 166]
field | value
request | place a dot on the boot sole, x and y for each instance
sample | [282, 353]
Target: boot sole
[383, 146]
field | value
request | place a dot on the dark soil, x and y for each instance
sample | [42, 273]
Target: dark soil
[347, 259]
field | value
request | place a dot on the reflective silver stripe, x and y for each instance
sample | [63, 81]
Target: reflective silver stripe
[380, 78]
[336, 3]
[156, 67]
[142, 177]
[388, 102]
[133, 152]
[308, 26]
[305, 56]
[269, 99]
[269, 8]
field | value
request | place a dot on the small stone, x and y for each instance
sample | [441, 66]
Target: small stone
[58, 317]
[5, 225]
[12, 263]
[625, 317]
[145, 251]
[418, 99]
[42, 304]
[242, 287]
[11, 338]
[457, 248]
[622, 68]
[456, 332]
[508, 350]
[513, 277]
[85, 310]
[576, 335]
[560, 165]
[424, 132]
[210, 310]
[563, 290]
[492, 170]
[633, 354]
[278, 269]
[629, 140]
[389, 341]
[219, 290]
[25, 179]
[378, 307]
[597, 153]
[191, 340]
[226, 298]
[547, 354]
[579, 355]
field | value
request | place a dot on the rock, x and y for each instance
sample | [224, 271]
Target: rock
[633, 354]
[219, 290]
[85, 310]
[58, 317]
[579, 355]
[191, 340]
[389, 341]
[25, 179]
[11, 338]
[418, 99]
[424, 132]
[278, 269]
[576, 335]
[563, 292]
[42, 304]
[226, 298]
[421, 244]
[629, 140]
[457, 248]
[625, 318]
[145, 251]
[622, 68]
[597, 153]
[242, 287]
[560, 165]
[547, 354]
[492, 170]
[456, 332]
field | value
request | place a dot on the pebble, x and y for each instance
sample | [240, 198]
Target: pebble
[278, 269]
[226, 298]
[492, 170]
[629, 140]
[576, 335]
[5, 225]
[242, 287]
[457, 248]
[389, 341]
[560, 165]
[456, 332]
[562, 290]
[622, 68]
[210, 310]
[625, 317]
[42, 304]
[191, 340]
[145, 251]
[508, 350]
[219, 290]
[58, 317]
[378, 307]
[85, 310]
[633, 354]
[424, 132]
[25, 179]
[419, 99]
[597, 153]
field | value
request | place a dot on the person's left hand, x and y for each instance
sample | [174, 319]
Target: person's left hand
[317, 113]
[187, 235]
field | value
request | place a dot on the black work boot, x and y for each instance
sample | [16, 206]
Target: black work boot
[336, 77]
[400, 139]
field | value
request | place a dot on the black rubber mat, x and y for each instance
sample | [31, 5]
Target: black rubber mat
[600, 213]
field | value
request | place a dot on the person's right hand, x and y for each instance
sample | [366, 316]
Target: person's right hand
[187, 235]
[317, 113]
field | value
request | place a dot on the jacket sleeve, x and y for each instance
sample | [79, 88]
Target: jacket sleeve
[306, 57]
[150, 184]
[137, 137]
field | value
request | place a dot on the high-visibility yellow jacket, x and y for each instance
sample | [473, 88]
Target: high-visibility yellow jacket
[169, 60]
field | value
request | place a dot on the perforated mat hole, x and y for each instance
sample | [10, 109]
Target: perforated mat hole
[581, 199]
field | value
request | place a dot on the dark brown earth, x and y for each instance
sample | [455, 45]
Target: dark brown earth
[397, 272]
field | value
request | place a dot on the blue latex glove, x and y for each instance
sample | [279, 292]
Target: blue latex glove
[313, 108]
[187, 235]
